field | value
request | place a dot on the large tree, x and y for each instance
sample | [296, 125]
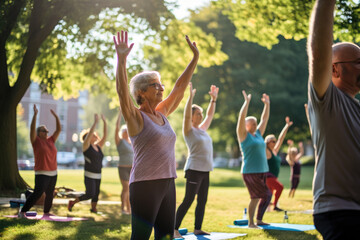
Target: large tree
[31, 47]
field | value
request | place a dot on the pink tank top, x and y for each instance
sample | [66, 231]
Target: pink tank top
[154, 151]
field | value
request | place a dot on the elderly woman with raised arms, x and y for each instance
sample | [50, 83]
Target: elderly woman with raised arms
[152, 186]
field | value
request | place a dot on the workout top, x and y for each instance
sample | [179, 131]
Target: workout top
[154, 151]
[126, 153]
[335, 124]
[296, 169]
[254, 154]
[93, 162]
[274, 164]
[200, 150]
[45, 156]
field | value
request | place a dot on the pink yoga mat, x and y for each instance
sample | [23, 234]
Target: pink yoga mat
[51, 218]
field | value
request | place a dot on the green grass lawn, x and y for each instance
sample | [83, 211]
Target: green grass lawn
[226, 201]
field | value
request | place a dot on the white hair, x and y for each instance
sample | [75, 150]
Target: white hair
[140, 82]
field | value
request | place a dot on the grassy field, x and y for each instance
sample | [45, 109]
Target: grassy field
[227, 199]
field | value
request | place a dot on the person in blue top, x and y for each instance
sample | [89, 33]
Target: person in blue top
[254, 166]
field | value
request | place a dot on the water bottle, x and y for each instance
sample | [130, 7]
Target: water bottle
[286, 217]
[245, 214]
[22, 196]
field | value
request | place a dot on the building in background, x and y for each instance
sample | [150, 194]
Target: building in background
[70, 113]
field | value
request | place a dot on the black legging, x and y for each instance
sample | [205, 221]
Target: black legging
[43, 183]
[92, 189]
[153, 204]
[196, 183]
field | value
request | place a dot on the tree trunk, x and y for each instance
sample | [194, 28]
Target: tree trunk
[10, 179]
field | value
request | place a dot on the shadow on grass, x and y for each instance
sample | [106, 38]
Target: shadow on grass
[27, 236]
[275, 234]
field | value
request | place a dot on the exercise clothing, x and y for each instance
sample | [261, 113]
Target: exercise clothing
[254, 154]
[200, 150]
[196, 183]
[45, 155]
[335, 124]
[126, 153]
[93, 162]
[124, 173]
[153, 204]
[274, 164]
[154, 151]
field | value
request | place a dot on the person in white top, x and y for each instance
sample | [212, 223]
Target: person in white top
[200, 159]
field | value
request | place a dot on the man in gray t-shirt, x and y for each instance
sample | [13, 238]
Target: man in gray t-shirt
[334, 115]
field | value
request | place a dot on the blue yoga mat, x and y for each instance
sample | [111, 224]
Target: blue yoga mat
[213, 236]
[282, 227]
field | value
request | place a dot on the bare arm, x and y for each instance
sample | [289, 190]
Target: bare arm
[240, 128]
[103, 139]
[301, 151]
[188, 112]
[282, 135]
[33, 133]
[211, 108]
[117, 129]
[288, 158]
[168, 105]
[58, 126]
[320, 45]
[86, 143]
[307, 117]
[265, 114]
[131, 114]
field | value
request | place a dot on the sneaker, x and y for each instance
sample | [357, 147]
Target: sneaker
[278, 209]
[70, 205]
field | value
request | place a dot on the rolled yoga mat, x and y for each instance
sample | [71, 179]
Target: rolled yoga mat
[241, 222]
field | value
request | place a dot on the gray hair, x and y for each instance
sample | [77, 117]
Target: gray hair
[194, 107]
[123, 129]
[140, 82]
[251, 118]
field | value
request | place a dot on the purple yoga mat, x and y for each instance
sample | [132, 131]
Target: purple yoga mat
[51, 218]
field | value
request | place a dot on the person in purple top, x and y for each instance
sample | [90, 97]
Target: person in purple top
[152, 184]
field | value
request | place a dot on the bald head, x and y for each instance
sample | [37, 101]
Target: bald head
[345, 51]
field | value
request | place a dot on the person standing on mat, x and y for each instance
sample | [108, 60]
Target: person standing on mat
[45, 163]
[126, 154]
[293, 158]
[93, 155]
[274, 161]
[152, 177]
[200, 160]
[254, 166]
[334, 113]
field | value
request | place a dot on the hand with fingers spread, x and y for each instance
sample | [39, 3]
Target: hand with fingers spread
[213, 92]
[121, 44]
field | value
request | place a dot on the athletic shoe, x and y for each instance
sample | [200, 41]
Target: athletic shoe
[278, 209]
[70, 205]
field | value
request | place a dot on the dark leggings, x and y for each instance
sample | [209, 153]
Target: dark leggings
[43, 183]
[196, 183]
[295, 182]
[153, 204]
[338, 225]
[92, 189]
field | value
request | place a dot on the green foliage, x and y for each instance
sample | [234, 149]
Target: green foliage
[281, 73]
[22, 135]
[264, 21]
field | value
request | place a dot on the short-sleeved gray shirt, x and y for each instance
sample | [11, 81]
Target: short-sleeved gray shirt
[335, 123]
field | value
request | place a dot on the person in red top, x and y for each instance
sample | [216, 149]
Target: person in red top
[45, 163]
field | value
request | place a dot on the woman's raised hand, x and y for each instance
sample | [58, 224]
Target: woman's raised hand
[288, 122]
[247, 98]
[35, 109]
[192, 90]
[213, 92]
[265, 98]
[96, 117]
[192, 46]
[121, 44]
